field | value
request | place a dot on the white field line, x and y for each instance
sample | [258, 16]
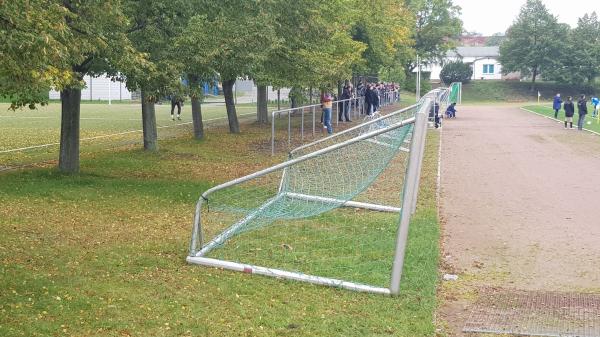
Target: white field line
[82, 118]
[558, 120]
[114, 134]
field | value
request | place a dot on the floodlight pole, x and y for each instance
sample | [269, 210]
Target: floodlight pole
[410, 185]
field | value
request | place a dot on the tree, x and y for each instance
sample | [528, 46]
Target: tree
[154, 25]
[456, 72]
[495, 40]
[314, 48]
[437, 28]
[579, 61]
[533, 42]
[64, 42]
[232, 38]
[384, 27]
[35, 40]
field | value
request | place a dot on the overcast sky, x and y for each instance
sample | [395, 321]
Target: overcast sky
[493, 16]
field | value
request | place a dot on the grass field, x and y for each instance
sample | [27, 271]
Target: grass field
[102, 253]
[547, 110]
[42, 126]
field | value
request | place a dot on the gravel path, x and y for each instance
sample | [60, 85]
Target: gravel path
[520, 205]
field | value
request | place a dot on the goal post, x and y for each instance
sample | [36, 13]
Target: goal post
[294, 220]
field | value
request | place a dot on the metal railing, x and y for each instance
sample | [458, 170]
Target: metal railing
[355, 108]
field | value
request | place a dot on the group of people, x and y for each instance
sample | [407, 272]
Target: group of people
[374, 95]
[435, 113]
[569, 107]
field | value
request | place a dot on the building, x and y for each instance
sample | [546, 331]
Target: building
[483, 61]
[100, 88]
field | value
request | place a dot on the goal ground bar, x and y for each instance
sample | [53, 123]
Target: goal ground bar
[278, 273]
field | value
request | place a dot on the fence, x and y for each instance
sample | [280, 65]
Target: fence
[355, 107]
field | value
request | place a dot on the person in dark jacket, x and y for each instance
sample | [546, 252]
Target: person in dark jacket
[569, 111]
[375, 98]
[345, 108]
[556, 105]
[368, 97]
[582, 111]
[451, 110]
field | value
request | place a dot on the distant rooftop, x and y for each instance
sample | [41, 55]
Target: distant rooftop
[475, 52]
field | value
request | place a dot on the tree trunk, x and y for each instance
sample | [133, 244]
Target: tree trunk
[262, 115]
[68, 160]
[535, 70]
[234, 125]
[149, 123]
[197, 117]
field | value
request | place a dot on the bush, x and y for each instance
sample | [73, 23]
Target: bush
[410, 83]
[456, 72]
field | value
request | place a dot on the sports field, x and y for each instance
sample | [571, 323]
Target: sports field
[32, 136]
[592, 124]
[42, 125]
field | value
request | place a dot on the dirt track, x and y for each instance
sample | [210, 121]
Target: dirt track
[520, 205]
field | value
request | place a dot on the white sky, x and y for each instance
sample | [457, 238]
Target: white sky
[492, 16]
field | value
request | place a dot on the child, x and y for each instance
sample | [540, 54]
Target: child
[556, 105]
[569, 111]
[451, 110]
[596, 105]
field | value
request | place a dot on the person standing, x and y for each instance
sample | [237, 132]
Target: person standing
[569, 111]
[344, 113]
[176, 101]
[596, 104]
[327, 105]
[369, 99]
[582, 111]
[556, 105]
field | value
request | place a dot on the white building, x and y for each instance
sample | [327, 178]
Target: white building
[100, 88]
[483, 61]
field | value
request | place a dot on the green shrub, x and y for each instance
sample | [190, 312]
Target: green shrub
[456, 72]
[410, 83]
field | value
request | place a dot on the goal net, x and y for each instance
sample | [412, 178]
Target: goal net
[328, 215]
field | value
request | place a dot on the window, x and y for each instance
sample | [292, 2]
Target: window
[488, 68]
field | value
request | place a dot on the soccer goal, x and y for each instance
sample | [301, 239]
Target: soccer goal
[336, 213]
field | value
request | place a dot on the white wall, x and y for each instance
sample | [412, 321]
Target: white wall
[478, 63]
[99, 88]
[478, 69]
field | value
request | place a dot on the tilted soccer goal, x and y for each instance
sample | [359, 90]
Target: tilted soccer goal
[329, 214]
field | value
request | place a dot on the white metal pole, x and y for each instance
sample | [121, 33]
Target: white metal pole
[422, 134]
[109, 91]
[405, 214]
[418, 88]
[273, 133]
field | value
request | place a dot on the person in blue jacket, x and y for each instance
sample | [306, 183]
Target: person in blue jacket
[451, 110]
[596, 106]
[556, 105]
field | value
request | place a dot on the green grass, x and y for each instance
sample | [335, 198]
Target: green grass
[547, 110]
[512, 91]
[103, 253]
[42, 126]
